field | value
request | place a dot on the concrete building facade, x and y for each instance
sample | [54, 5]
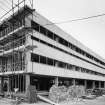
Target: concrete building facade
[33, 51]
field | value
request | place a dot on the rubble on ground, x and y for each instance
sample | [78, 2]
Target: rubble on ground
[61, 93]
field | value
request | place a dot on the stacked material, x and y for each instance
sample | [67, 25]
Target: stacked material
[61, 93]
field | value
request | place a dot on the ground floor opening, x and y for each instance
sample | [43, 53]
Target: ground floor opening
[9, 83]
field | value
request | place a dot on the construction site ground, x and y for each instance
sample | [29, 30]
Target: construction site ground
[97, 101]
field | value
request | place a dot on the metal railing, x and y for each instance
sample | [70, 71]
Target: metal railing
[13, 44]
[11, 28]
[19, 66]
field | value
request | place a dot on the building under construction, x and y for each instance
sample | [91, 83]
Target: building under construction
[33, 51]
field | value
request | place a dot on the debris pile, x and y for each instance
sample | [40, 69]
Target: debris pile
[61, 93]
[76, 91]
[32, 94]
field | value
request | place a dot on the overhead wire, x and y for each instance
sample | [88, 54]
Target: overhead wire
[10, 10]
[61, 22]
[78, 19]
[66, 21]
[74, 20]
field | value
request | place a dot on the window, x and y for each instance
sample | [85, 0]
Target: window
[73, 47]
[102, 84]
[61, 64]
[42, 30]
[56, 38]
[53, 62]
[34, 38]
[77, 68]
[35, 26]
[62, 41]
[50, 61]
[50, 34]
[42, 59]
[65, 43]
[34, 57]
[70, 66]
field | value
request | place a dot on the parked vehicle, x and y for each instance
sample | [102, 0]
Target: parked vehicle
[97, 92]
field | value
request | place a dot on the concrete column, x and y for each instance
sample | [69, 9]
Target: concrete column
[28, 66]
[8, 84]
[27, 77]
[85, 83]
[2, 82]
[56, 64]
[99, 84]
[74, 82]
[73, 68]
[0, 85]
[56, 81]
[93, 84]
[104, 84]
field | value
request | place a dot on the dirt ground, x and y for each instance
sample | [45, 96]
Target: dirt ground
[98, 101]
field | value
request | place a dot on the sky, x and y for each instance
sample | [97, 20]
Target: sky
[90, 32]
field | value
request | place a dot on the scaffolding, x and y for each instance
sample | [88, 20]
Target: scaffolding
[13, 38]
